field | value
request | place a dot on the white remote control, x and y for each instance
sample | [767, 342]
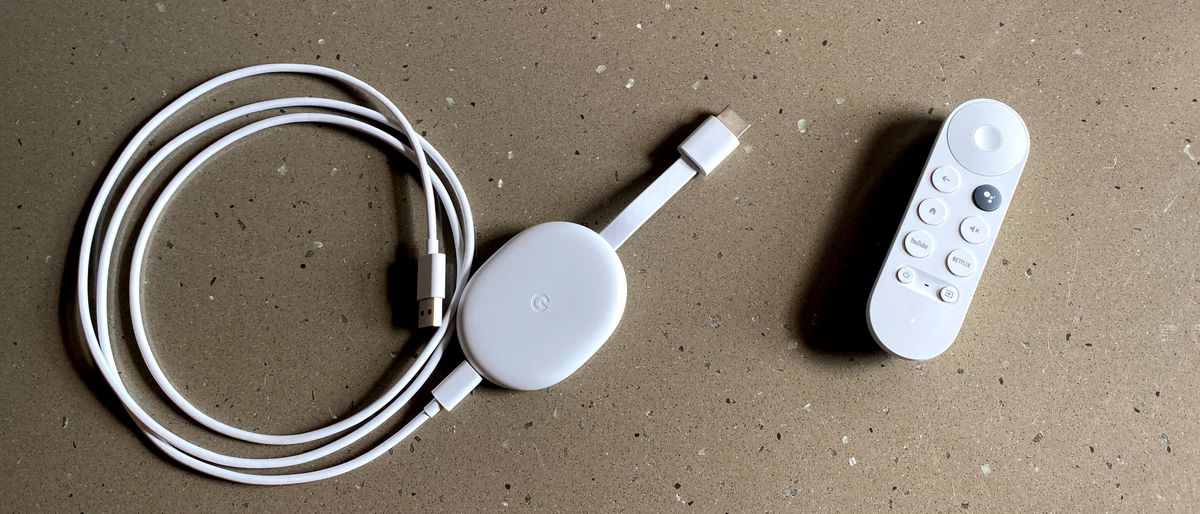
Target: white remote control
[921, 296]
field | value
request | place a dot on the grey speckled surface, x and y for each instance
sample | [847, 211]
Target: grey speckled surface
[1071, 388]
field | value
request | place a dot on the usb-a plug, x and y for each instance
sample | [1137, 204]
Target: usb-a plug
[431, 289]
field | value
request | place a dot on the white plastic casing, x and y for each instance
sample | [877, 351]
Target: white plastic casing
[456, 386]
[709, 145]
[986, 143]
[432, 267]
[540, 307]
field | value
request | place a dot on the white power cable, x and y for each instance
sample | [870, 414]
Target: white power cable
[348, 430]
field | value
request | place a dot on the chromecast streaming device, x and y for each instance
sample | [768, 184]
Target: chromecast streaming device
[542, 305]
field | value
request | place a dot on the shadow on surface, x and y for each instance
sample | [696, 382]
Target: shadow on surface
[832, 312]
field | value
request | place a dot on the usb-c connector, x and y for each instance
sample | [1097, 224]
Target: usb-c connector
[456, 386]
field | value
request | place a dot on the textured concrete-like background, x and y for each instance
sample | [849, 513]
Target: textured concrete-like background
[740, 379]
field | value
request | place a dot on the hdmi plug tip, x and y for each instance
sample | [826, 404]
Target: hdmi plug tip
[733, 122]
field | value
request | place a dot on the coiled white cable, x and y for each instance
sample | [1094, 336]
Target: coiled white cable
[96, 328]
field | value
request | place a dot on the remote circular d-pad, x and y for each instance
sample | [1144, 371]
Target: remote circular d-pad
[987, 138]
